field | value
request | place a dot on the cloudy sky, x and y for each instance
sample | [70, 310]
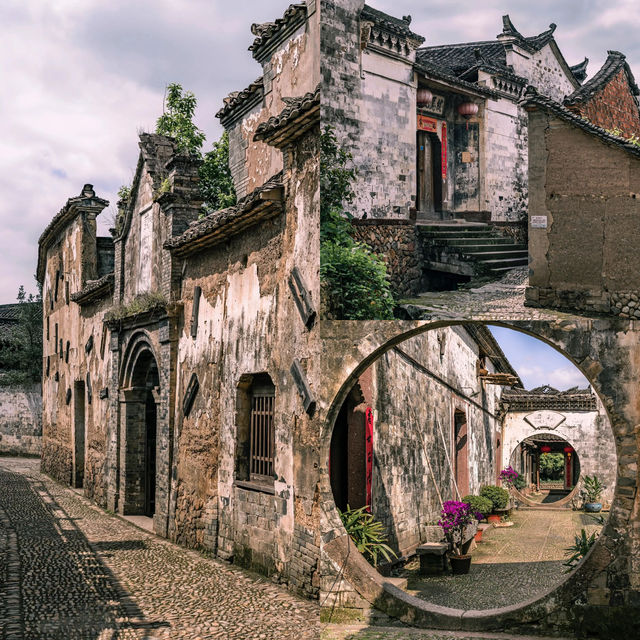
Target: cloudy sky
[536, 362]
[81, 77]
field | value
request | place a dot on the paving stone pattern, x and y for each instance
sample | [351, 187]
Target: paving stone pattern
[502, 299]
[511, 564]
[70, 570]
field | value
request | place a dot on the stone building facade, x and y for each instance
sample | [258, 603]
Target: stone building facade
[597, 271]
[180, 354]
[432, 409]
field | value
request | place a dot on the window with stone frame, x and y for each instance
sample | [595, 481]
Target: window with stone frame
[255, 429]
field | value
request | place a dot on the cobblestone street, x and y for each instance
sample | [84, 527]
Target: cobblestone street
[69, 570]
[502, 299]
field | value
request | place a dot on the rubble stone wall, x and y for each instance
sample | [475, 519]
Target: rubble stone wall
[21, 420]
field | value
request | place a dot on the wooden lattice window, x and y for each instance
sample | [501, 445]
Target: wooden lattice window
[261, 437]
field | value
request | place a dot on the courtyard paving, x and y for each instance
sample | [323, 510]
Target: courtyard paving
[511, 565]
[501, 299]
[69, 570]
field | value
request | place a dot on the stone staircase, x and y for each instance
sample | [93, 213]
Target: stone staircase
[468, 249]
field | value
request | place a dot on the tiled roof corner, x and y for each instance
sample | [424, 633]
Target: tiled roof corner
[298, 116]
[532, 99]
[393, 25]
[237, 99]
[580, 70]
[94, 290]
[222, 224]
[614, 62]
[269, 34]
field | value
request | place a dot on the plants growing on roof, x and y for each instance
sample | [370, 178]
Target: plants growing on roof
[499, 497]
[367, 534]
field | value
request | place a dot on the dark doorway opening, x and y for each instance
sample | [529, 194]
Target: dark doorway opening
[461, 452]
[150, 455]
[79, 437]
[429, 166]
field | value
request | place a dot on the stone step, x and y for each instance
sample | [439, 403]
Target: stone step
[507, 253]
[489, 248]
[509, 263]
[459, 233]
[461, 241]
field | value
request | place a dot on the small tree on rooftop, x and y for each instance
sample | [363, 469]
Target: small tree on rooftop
[216, 185]
[177, 119]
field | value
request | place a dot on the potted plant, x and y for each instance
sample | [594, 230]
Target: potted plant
[367, 534]
[481, 507]
[509, 475]
[499, 498]
[455, 517]
[592, 490]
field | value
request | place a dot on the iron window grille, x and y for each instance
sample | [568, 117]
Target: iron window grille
[262, 436]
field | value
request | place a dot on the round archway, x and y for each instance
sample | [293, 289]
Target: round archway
[139, 396]
[464, 416]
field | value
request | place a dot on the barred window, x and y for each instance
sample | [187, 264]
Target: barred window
[255, 434]
[262, 436]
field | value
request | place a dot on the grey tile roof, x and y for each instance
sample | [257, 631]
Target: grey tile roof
[299, 114]
[546, 397]
[267, 31]
[9, 312]
[221, 224]
[94, 290]
[580, 70]
[614, 63]
[236, 98]
[532, 99]
[389, 23]
[438, 73]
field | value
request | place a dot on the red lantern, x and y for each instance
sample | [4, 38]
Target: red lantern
[468, 109]
[545, 448]
[425, 97]
[568, 449]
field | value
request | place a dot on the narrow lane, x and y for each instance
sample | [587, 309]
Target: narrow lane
[69, 570]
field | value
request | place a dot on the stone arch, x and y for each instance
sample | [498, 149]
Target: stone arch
[602, 353]
[138, 443]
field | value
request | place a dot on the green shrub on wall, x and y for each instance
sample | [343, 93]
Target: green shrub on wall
[354, 282]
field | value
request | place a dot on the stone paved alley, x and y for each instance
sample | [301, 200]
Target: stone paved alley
[69, 570]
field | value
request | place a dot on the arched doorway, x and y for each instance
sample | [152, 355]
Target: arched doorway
[138, 433]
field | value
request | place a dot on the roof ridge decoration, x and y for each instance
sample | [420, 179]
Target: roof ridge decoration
[87, 201]
[261, 204]
[612, 65]
[298, 116]
[508, 29]
[270, 34]
[385, 32]
[580, 70]
[532, 100]
[239, 102]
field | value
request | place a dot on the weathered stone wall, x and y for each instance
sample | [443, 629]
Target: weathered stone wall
[568, 266]
[588, 432]
[290, 71]
[414, 400]
[76, 363]
[21, 420]
[613, 107]
[395, 241]
[504, 173]
[543, 70]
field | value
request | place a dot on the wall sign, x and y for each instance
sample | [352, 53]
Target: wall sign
[538, 222]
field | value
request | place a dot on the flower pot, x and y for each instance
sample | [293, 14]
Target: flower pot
[593, 507]
[460, 564]
[478, 536]
[493, 518]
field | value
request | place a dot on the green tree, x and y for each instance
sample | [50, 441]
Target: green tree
[551, 466]
[177, 119]
[216, 185]
[353, 279]
[21, 347]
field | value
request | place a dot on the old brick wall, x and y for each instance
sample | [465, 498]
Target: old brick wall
[587, 252]
[413, 421]
[613, 107]
[21, 420]
[394, 240]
